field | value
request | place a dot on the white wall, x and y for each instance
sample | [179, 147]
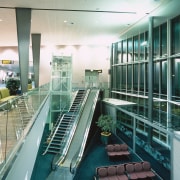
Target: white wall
[83, 57]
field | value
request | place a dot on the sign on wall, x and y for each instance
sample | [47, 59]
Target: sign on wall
[7, 61]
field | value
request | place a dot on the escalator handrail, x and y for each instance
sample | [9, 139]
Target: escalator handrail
[79, 154]
[70, 136]
[54, 132]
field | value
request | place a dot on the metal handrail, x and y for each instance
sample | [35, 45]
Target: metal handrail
[12, 154]
[79, 154]
[70, 136]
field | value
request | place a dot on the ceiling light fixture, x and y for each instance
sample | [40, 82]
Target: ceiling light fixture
[68, 23]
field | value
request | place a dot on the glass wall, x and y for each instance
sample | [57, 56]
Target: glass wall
[176, 78]
[175, 35]
[156, 148]
[164, 111]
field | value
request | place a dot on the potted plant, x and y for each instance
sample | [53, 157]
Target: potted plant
[105, 122]
[13, 85]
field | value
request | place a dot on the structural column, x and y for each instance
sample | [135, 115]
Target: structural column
[150, 78]
[36, 43]
[23, 19]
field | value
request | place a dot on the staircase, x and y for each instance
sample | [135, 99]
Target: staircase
[77, 101]
[58, 138]
[26, 111]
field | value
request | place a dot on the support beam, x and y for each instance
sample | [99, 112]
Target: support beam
[36, 43]
[23, 19]
[150, 78]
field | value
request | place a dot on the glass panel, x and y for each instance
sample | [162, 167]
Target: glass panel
[142, 109]
[124, 123]
[176, 35]
[164, 78]
[155, 146]
[160, 113]
[135, 73]
[164, 40]
[136, 47]
[129, 78]
[146, 48]
[16, 119]
[113, 78]
[124, 56]
[119, 58]
[112, 53]
[142, 47]
[156, 77]
[130, 50]
[175, 118]
[56, 84]
[118, 75]
[142, 75]
[175, 78]
[146, 78]
[156, 42]
[123, 75]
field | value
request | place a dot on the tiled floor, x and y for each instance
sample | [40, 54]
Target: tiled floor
[12, 123]
[8, 139]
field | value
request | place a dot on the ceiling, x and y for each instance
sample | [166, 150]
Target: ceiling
[82, 22]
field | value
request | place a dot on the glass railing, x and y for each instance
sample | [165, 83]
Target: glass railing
[17, 116]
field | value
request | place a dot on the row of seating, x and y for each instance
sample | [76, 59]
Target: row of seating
[133, 171]
[4, 97]
[114, 150]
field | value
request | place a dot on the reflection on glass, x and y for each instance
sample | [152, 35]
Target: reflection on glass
[17, 118]
[136, 47]
[135, 76]
[156, 42]
[163, 40]
[129, 78]
[119, 52]
[142, 76]
[124, 49]
[164, 78]
[176, 35]
[118, 75]
[142, 48]
[156, 77]
[130, 50]
[123, 75]
[146, 48]
[175, 78]
[175, 117]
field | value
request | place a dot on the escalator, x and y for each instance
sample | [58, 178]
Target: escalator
[56, 142]
[79, 139]
[57, 139]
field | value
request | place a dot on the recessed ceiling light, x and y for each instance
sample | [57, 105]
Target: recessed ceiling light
[68, 23]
